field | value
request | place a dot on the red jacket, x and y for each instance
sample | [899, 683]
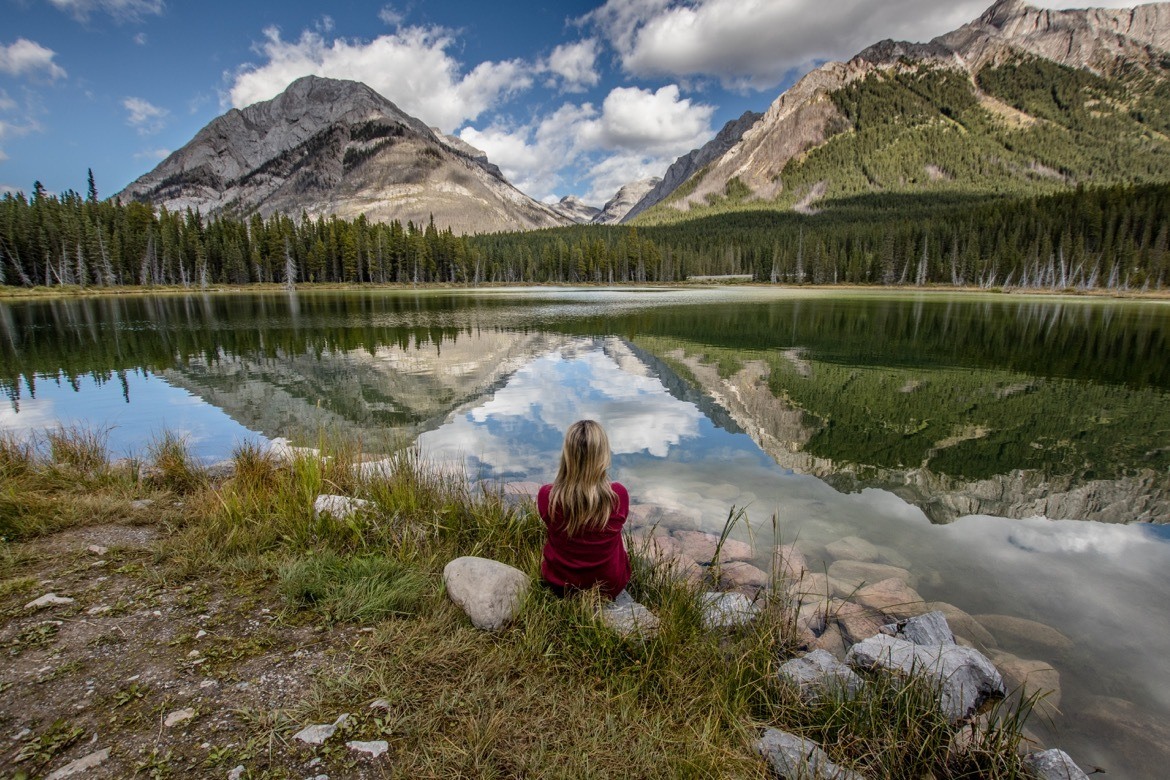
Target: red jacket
[590, 558]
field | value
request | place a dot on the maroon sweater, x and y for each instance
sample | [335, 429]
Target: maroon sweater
[590, 558]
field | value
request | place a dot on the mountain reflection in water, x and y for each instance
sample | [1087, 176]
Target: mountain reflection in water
[871, 416]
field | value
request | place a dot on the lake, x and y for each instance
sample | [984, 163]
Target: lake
[1012, 453]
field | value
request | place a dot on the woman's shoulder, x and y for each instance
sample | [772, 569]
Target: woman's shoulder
[623, 507]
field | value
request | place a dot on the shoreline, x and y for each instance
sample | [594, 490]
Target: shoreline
[73, 292]
[211, 578]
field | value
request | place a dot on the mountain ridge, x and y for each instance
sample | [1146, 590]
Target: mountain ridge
[332, 147]
[803, 120]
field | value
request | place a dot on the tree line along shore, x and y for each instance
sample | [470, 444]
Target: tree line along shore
[1107, 238]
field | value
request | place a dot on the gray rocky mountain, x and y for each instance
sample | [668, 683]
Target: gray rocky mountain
[1103, 41]
[571, 207]
[619, 206]
[694, 161]
[331, 147]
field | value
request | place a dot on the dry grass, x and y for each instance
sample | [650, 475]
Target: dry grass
[554, 695]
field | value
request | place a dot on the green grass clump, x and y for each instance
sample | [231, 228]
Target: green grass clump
[362, 589]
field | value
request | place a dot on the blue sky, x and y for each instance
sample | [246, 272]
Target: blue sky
[568, 97]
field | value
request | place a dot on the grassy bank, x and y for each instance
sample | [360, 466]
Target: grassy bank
[226, 597]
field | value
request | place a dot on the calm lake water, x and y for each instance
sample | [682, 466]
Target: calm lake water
[1012, 453]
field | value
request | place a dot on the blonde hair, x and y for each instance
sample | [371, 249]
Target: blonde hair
[581, 490]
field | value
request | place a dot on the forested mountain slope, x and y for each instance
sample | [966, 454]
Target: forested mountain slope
[1020, 101]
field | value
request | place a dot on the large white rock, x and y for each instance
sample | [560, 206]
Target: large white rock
[818, 673]
[339, 507]
[965, 677]
[795, 758]
[317, 734]
[928, 629]
[1053, 765]
[490, 592]
[48, 600]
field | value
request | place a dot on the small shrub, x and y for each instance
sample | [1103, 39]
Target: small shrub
[173, 467]
[84, 450]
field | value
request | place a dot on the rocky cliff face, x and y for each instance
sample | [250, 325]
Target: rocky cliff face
[333, 147]
[617, 209]
[570, 207]
[694, 161]
[756, 150]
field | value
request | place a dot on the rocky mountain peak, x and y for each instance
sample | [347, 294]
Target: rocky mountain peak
[335, 147]
[619, 206]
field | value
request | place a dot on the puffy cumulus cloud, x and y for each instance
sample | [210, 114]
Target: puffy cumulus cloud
[757, 43]
[411, 67]
[576, 65]
[638, 120]
[29, 58]
[130, 10]
[144, 116]
[635, 134]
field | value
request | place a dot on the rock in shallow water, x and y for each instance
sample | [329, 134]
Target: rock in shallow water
[1053, 765]
[965, 677]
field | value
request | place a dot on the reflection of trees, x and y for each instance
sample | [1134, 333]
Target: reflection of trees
[953, 441]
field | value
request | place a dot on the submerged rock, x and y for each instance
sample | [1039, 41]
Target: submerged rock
[856, 622]
[892, 597]
[795, 758]
[739, 575]
[789, 563]
[856, 574]
[966, 678]
[1026, 677]
[702, 546]
[490, 592]
[1015, 631]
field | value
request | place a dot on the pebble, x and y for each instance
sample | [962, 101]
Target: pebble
[200, 634]
[316, 735]
[48, 600]
[193, 654]
[380, 704]
[100, 610]
[208, 684]
[236, 773]
[97, 549]
[81, 766]
[374, 749]
[178, 716]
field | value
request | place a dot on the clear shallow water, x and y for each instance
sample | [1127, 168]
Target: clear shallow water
[915, 423]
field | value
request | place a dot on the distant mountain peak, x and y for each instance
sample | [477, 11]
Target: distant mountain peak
[336, 147]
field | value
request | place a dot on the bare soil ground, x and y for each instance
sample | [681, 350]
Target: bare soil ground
[107, 670]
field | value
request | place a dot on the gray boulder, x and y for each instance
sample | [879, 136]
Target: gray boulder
[726, 610]
[965, 678]
[628, 618]
[489, 592]
[795, 758]
[928, 630]
[1053, 765]
[819, 673]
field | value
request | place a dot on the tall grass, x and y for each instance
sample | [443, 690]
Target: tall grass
[557, 694]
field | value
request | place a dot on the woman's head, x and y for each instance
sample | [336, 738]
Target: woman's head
[582, 491]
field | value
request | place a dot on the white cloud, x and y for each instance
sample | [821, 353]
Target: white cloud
[7, 189]
[146, 117]
[140, 39]
[411, 67]
[152, 154]
[27, 58]
[391, 16]
[10, 129]
[6, 103]
[637, 133]
[756, 43]
[127, 10]
[576, 65]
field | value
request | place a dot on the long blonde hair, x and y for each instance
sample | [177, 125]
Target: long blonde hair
[581, 490]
